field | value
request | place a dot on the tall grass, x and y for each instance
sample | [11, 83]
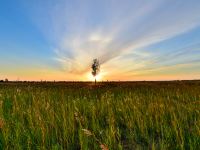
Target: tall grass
[140, 115]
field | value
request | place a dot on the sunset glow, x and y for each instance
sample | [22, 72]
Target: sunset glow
[133, 40]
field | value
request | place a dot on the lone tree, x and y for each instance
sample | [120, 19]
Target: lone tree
[95, 68]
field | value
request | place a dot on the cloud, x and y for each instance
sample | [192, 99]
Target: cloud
[83, 30]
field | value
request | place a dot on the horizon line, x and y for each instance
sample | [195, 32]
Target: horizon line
[97, 81]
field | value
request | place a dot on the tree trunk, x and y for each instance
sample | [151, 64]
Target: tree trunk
[95, 81]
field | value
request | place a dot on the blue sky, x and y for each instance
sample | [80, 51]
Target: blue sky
[134, 40]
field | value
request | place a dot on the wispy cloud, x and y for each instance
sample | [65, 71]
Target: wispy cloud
[109, 30]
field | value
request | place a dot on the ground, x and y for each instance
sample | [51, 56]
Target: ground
[109, 115]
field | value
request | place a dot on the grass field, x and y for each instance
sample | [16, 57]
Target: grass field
[111, 115]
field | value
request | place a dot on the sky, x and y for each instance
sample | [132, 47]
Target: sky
[133, 39]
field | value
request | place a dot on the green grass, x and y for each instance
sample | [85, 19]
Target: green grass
[128, 115]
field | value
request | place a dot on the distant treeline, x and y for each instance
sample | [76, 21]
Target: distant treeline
[44, 81]
[6, 80]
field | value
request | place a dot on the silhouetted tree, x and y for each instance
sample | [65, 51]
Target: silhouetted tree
[6, 80]
[95, 68]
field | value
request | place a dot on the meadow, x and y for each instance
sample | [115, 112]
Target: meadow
[110, 115]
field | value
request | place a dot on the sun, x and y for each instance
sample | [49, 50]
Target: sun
[90, 77]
